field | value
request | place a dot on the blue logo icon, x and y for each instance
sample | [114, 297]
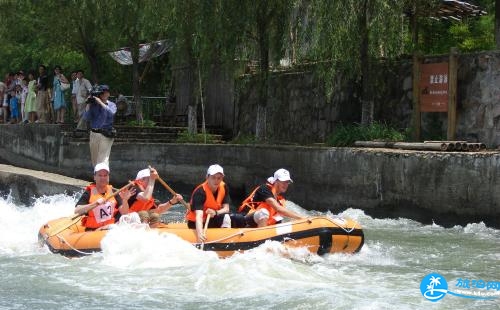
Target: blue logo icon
[434, 287]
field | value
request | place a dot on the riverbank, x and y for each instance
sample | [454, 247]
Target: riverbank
[447, 188]
[24, 185]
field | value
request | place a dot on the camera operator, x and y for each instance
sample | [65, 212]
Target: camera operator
[100, 112]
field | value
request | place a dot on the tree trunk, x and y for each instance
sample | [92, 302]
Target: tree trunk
[136, 92]
[192, 120]
[414, 26]
[263, 41]
[367, 105]
[88, 49]
[94, 68]
[189, 82]
[497, 23]
[260, 123]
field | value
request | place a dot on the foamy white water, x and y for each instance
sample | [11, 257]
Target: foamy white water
[141, 269]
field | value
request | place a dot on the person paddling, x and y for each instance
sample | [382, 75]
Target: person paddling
[143, 199]
[100, 212]
[266, 204]
[209, 202]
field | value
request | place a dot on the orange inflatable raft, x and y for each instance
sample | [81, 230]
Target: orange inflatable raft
[320, 235]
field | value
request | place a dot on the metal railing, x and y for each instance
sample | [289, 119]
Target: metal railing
[157, 109]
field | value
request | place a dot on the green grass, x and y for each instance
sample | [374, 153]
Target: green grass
[244, 139]
[145, 123]
[346, 135]
[185, 137]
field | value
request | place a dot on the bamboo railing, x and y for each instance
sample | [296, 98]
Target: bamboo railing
[448, 146]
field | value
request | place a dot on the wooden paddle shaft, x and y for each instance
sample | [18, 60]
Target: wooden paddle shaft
[73, 220]
[113, 194]
[205, 231]
[184, 203]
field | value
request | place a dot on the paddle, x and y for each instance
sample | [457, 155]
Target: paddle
[73, 220]
[205, 231]
[184, 203]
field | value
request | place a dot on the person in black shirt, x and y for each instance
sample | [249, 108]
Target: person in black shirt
[266, 204]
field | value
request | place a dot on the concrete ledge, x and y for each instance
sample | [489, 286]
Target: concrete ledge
[25, 184]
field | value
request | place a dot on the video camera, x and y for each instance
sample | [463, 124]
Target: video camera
[96, 90]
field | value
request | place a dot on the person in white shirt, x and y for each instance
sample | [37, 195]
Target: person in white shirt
[82, 94]
[74, 91]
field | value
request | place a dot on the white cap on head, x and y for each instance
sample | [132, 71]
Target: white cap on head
[144, 173]
[214, 169]
[280, 175]
[101, 166]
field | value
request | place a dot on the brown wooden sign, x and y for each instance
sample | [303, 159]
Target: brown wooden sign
[434, 87]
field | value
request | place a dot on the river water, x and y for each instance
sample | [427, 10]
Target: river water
[144, 270]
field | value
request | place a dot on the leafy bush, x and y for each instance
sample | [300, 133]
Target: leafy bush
[346, 135]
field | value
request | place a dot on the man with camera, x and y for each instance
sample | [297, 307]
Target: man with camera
[100, 112]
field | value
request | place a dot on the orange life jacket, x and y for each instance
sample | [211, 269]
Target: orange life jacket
[140, 205]
[102, 214]
[250, 206]
[210, 202]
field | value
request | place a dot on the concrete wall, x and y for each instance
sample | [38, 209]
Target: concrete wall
[448, 188]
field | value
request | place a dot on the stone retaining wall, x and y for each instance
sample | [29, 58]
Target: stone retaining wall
[445, 187]
[298, 110]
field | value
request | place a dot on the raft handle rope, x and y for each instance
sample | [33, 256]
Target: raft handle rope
[344, 229]
[240, 233]
[73, 248]
[308, 220]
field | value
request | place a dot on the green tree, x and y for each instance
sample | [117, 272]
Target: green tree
[267, 26]
[134, 23]
[497, 23]
[78, 26]
[470, 33]
[352, 35]
[206, 35]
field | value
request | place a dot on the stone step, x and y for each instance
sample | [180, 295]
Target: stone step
[124, 140]
[134, 137]
[136, 134]
[149, 129]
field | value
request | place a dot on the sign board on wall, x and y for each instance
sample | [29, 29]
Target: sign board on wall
[434, 87]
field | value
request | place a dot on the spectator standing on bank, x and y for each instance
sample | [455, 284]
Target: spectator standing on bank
[59, 102]
[3, 90]
[14, 105]
[24, 94]
[83, 91]
[100, 112]
[30, 104]
[42, 97]
[9, 87]
[74, 91]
